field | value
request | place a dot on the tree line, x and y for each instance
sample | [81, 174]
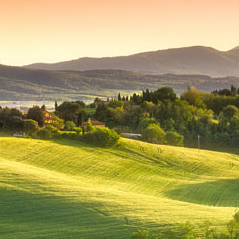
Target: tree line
[163, 117]
[160, 116]
[65, 122]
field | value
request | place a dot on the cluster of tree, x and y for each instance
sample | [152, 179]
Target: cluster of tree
[71, 115]
[30, 124]
[162, 94]
[71, 111]
[14, 121]
[103, 137]
[153, 133]
[214, 117]
[160, 116]
[228, 92]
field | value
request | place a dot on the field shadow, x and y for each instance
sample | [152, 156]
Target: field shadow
[221, 193]
[41, 215]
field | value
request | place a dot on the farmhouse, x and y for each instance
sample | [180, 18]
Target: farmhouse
[49, 118]
[94, 123]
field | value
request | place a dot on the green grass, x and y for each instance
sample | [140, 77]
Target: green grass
[66, 189]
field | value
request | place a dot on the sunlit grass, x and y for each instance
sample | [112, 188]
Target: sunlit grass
[66, 189]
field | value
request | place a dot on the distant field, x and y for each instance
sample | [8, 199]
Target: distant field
[66, 189]
[50, 104]
[27, 104]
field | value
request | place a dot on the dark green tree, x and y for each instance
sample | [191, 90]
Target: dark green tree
[119, 97]
[30, 127]
[80, 103]
[163, 94]
[56, 105]
[69, 111]
[147, 95]
[101, 113]
[80, 118]
[4, 112]
[37, 114]
[43, 108]
[13, 124]
[15, 112]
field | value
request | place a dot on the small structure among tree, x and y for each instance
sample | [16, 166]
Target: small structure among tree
[94, 123]
[49, 118]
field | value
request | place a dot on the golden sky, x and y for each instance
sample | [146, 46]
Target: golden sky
[58, 30]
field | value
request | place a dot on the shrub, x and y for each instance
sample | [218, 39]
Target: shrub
[57, 122]
[145, 122]
[103, 137]
[154, 134]
[30, 127]
[69, 126]
[67, 135]
[173, 138]
[78, 130]
[89, 127]
[44, 134]
[51, 128]
[70, 135]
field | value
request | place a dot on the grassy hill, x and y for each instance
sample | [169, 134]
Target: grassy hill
[187, 60]
[18, 83]
[66, 189]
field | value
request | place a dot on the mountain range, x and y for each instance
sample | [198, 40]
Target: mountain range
[188, 60]
[86, 78]
[18, 83]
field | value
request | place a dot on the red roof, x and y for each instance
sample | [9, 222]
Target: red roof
[93, 122]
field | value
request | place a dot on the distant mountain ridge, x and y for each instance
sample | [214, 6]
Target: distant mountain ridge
[18, 83]
[188, 60]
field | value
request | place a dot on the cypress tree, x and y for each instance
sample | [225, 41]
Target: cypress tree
[56, 105]
[119, 97]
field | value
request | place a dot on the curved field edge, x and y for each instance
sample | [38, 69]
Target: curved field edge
[66, 189]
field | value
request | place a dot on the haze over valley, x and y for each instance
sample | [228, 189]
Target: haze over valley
[198, 60]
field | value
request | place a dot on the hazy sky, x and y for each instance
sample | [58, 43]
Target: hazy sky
[57, 30]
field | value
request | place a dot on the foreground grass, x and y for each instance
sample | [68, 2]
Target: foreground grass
[66, 189]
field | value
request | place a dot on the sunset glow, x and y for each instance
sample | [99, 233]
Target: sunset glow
[58, 30]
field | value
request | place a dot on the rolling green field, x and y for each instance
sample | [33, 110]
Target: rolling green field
[69, 190]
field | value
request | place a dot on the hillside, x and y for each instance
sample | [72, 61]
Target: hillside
[18, 83]
[65, 189]
[188, 60]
